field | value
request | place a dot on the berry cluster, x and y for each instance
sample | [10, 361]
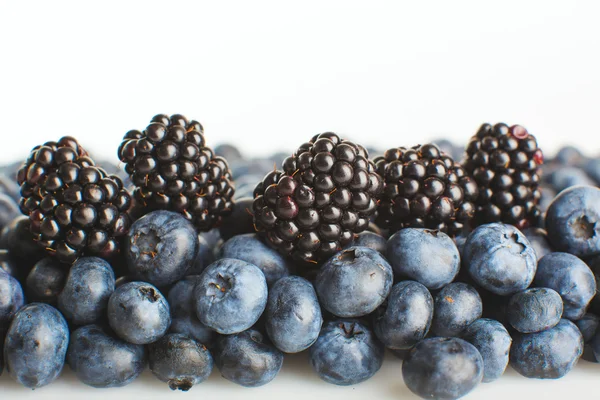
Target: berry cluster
[173, 169]
[74, 207]
[458, 269]
[326, 193]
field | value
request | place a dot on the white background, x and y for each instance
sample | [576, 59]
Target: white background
[269, 75]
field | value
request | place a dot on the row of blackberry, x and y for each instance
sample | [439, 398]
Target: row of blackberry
[327, 191]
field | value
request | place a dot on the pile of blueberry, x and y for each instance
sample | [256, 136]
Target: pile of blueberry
[460, 261]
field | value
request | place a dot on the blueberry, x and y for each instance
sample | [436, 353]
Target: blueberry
[138, 313]
[371, 240]
[293, 315]
[407, 316]
[571, 278]
[45, 281]
[493, 341]
[592, 168]
[428, 256]
[11, 299]
[160, 247]
[102, 360]
[572, 221]
[8, 265]
[354, 282]
[346, 353]
[18, 240]
[566, 177]
[36, 345]
[547, 195]
[534, 310]
[588, 325]
[179, 361]
[500, 258]
[10, 186]
[569, 155]
[230, 296]
[251, 249]
[456, 306]
[204, 256]
[9, 210]
[183, 313]
[247, 358]
[85, 295]
[443, 368]
[549, 354]
[539, 241]
[401, 354]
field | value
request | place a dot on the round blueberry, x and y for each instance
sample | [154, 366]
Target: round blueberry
[251, 249]
[572, 221]
[442, 368]
[183, 312]
[293, 315]
[179, 361]
[354, 282]
[138, 313]
[36, 345]
[11, 299]
[550, 354]
[428, 256]
[101, 360]
[571, 278]
[230, 296]
[160, 247]
[500, 258]
[534, 310]
[45, 281]
[88, 287]
[493, 341]
[371, 240]
[346, 353]
[456, 306]
[247, 358]
[406, 317]
[539, 241]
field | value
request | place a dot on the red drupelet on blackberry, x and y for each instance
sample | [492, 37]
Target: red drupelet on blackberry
[424, 188]
[74, 207]
[173, 169]
[326, 193]
[505, 162]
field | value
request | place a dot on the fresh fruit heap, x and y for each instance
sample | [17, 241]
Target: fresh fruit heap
[459, 269]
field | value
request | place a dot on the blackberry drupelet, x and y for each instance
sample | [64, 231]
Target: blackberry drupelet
[505, 162]
[173, 169]
[424, 188]
[326, 194]
[75, 208]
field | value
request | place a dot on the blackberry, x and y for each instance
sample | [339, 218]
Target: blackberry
[173, 169]
[505, 162]
[326, 194]
[424, 188]
[74, 207]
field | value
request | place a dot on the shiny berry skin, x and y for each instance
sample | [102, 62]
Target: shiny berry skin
[505, 162]
[173, 169]
[66, 197]
[326, 193]
[424, 188]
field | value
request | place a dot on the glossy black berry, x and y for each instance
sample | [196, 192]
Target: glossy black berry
[174, 170]
[506, 165]
[424, 188]
[327, 192]
[75, 208]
